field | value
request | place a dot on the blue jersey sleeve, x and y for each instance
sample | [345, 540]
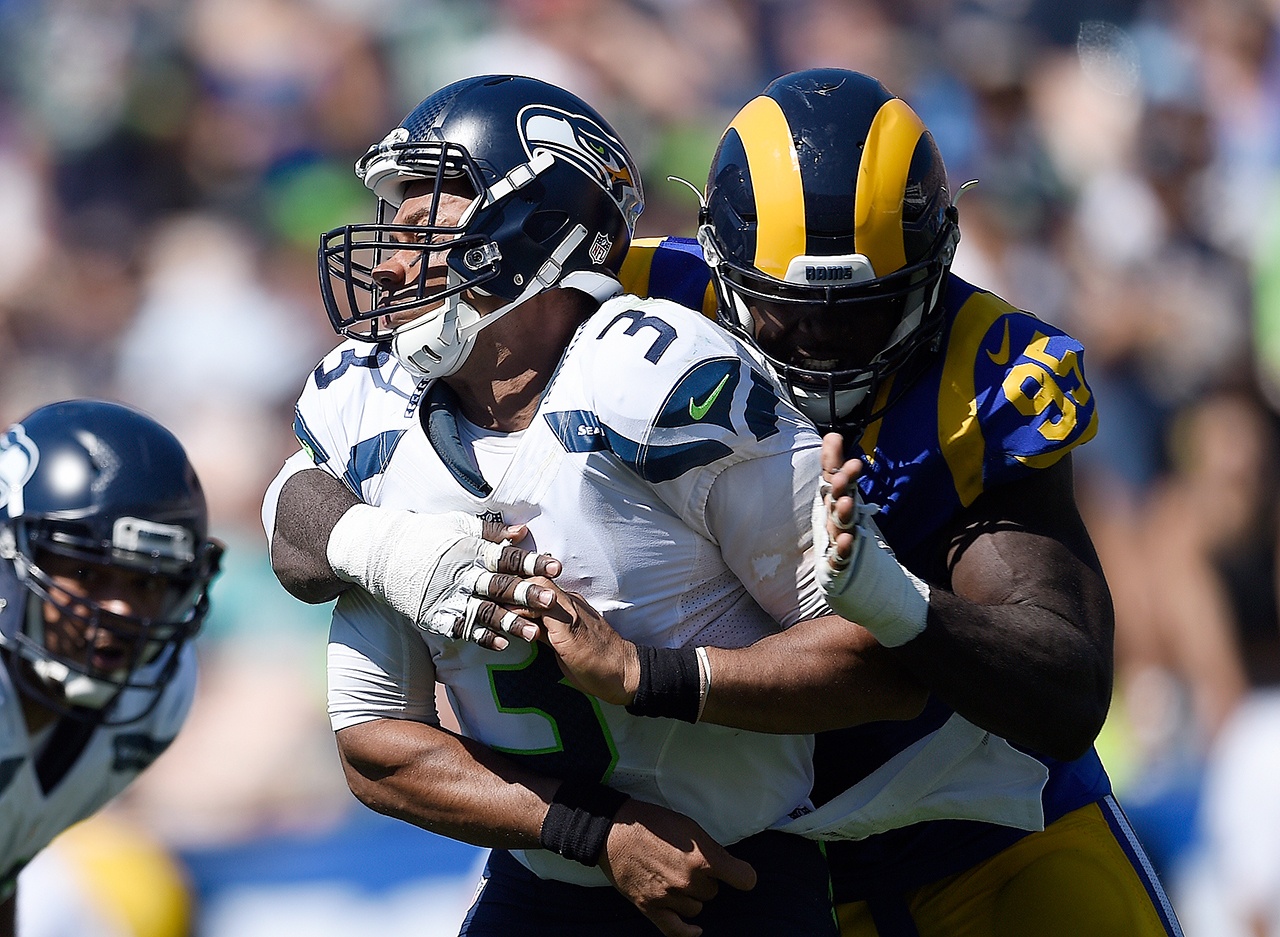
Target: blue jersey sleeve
[1021, 382]
[669, 268]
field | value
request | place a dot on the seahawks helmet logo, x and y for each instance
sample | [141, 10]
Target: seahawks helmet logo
[588, 146]
[18, 459]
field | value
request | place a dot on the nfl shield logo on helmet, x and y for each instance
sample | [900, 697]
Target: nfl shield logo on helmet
[600, 248]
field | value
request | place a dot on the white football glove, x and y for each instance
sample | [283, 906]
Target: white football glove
[870, 588]
[456, 613]
[412, 562]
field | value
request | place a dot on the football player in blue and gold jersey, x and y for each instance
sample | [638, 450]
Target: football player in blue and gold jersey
[829, 228]
[828, 231]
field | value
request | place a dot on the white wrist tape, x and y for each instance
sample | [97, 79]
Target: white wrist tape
[872, 589]
[704, 678]
[410, 561]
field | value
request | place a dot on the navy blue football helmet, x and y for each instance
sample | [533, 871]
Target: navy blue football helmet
[827, 212]
[555, 199]
[87, 488]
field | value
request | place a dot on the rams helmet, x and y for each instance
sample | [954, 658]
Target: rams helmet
[829, 228]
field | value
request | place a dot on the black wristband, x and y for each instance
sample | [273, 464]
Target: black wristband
[577, 822]
[670, 683]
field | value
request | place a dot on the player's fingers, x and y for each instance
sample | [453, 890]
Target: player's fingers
[832, 453]
[508, 559]
[484, 619]
[844, 514]
[844, 549]
[845, 479]
[465, 630]
[496, 531]
[515, 591]
[683, 904]
[734, 872]
[671, 924]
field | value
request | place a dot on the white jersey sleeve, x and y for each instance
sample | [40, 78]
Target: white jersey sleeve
[774, 495]
[379, 667]
[689, 409]
[298, 462]
[353, 411]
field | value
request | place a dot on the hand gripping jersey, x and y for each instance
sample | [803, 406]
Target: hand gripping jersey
[1005, 396]
[71, 769]
[651, 407]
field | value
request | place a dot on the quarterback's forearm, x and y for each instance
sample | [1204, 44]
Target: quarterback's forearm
[819, 674]
[310, 503]
[442, 782]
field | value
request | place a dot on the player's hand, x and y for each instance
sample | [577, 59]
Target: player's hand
[668, 866]
[465, 611]
[592, 655]
[840, 509]
[415, 563]
[861, 578]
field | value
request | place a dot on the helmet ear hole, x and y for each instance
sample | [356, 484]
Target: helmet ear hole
[542, 226]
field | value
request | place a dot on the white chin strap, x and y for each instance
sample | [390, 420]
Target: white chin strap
[78, 689]
[816, 405]
[438, 343]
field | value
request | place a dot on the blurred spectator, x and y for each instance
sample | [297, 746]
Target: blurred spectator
[1221, 580]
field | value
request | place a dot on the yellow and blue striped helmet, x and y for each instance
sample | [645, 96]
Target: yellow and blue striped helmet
[827, 204]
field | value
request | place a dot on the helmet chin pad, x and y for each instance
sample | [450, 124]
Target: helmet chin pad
[818, 405]
[78, 689]
[437, 343]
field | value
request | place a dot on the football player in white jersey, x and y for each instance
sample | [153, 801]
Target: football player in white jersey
[105, 566]
[493, 371]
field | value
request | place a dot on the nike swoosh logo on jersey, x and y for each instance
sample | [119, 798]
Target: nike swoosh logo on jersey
[699, 410]
[1001, 356]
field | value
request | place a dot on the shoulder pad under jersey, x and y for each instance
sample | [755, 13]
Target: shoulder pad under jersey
[671, 391]
[669, 268]
[356, 404]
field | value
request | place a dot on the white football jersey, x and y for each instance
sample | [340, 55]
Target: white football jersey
[650, 406]
[111, 757]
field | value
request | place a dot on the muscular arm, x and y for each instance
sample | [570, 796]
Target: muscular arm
[309, 505]
[825, 673]
[427, 776]
[1021, 641]
[1018, 638]
[662, 861]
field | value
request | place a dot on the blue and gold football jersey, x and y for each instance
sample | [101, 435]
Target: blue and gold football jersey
[669, 268]
[1005, 396]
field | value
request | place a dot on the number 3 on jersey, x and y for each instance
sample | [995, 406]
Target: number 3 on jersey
[583, 747]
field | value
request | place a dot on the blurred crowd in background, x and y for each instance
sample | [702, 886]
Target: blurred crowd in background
[167, 165]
